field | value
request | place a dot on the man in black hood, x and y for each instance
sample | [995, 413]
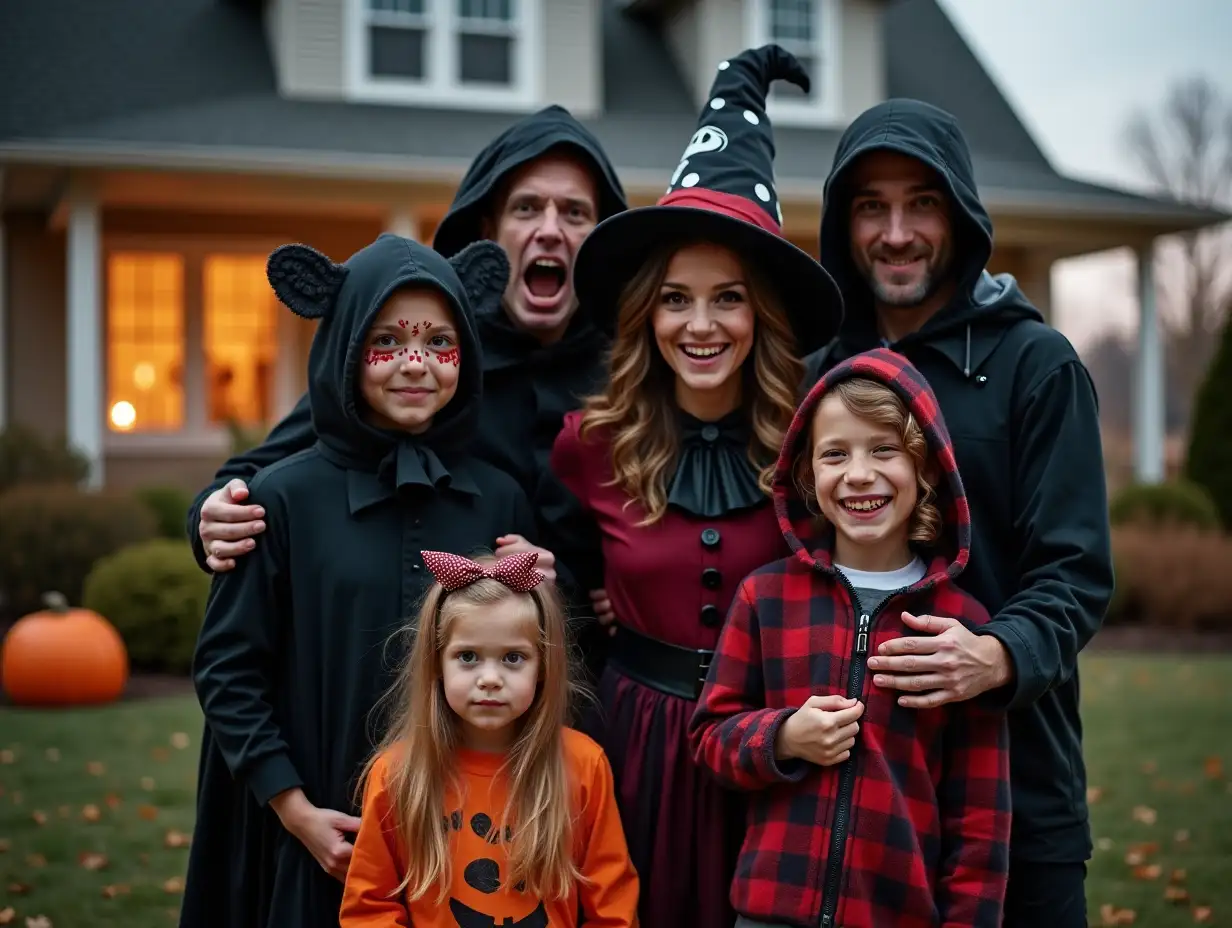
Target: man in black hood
[904, 234]
[537, 190]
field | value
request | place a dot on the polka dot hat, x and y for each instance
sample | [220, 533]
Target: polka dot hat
[722, 190]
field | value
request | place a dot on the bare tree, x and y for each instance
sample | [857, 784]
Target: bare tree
[1185, 150]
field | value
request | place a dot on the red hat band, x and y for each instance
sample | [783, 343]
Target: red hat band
[729, 204]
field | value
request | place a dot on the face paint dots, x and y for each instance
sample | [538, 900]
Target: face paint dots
[449, 356]
[377, 356]
[402, 323]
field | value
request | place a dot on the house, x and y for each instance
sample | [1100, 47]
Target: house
[152, 154]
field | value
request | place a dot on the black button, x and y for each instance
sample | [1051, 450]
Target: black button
[710, 432]
[710, 537]
[711, 578]
[711, 617]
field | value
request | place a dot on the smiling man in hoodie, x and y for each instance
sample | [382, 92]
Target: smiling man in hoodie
[905, 235]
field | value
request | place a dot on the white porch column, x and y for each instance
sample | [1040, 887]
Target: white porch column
[4, 319]
[402, 221]
[86, 396]
[1036, 281]
[1150, 377]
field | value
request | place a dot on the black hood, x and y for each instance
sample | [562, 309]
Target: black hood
[527, 139]
[932, 136]
[347, 297]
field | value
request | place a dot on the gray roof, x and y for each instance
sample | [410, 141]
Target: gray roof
[129, 81]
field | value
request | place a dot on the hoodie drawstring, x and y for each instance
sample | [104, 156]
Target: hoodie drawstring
[967, 362]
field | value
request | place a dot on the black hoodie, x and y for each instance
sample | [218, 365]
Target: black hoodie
[1024, 419]
[299, 640]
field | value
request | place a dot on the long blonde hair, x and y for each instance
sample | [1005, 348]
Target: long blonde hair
[424, 734]
[638, 406]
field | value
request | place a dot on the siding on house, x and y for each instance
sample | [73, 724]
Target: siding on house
[862, 57]
[307, 44]
[571, 56]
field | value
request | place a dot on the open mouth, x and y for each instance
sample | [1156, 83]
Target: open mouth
[866, 505]
[703, 352]
[545, 279]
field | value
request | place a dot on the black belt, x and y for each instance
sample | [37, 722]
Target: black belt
[668, 668]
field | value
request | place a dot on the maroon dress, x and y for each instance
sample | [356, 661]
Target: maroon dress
[673, 582]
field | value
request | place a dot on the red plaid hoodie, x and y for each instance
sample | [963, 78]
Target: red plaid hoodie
[912, 830]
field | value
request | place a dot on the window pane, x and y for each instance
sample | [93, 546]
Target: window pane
[792, 20]
[782, 90]
[145, 342]
[241, 339]
[411, 7]
[500, 11]
[397, 52]
[485, 59]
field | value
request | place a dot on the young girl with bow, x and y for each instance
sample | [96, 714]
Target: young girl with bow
[481, 807]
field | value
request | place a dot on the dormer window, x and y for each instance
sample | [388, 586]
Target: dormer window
[809, 30]
[457, 53]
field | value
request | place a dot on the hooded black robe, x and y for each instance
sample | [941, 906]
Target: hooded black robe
[300, 639]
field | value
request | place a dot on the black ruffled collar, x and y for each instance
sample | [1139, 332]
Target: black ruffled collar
[714, 475]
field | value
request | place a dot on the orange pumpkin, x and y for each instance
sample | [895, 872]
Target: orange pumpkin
[63, 657]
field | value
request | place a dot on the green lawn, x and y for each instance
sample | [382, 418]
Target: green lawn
[1157, 735]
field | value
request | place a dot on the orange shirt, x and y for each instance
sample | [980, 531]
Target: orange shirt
[479, 895]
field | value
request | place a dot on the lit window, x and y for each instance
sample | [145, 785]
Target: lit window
[145, 342]
[241, 339]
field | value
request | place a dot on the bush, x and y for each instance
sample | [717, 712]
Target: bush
[50, 537]
[154, 594]
[27, 457]
[170, 508]
[1175, 503]
[1209, 461]
[1172, 578]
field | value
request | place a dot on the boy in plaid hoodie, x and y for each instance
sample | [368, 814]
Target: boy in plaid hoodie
[865, 814]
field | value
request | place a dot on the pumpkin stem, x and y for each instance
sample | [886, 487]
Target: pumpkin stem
[56, 602]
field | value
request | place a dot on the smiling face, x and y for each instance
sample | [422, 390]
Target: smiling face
[703, 325]
[866, 485]
[411, 361]
[901, 240]
[490, 669]
[548, 209]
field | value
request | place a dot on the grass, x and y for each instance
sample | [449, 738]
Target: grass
[1161, 798]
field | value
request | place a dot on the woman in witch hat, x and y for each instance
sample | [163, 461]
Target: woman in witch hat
[711, 310]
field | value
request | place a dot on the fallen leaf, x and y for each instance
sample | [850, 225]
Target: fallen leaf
[1149, 767]
[147, 812]
[1148, 872]
[1144, 814]
[1177, 895]
[174, 885]
[147, 783]
[90, 860]
[64, 811]
[113, 801]
[1177, 876]
[96, 768]
[1109, 914]
[179, 740]
[38, 921]
[91, 813]
[1202, 914]
[176, 839]
[1162, 785]
[5, 844]
[36, 860]
[1181, 836]
[18, 889]
[7, 756]
[116, 889]
[1094, 794]
[1213, 768]
[1187, 788]
[1104, 844]
[7, 914]
[39, 816]
[53, 755]
[159, 754]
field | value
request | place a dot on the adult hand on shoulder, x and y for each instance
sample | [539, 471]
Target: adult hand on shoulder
[516, 544]
[322, 831]
[951, 665]
[822, 731]
[603, 609]
[227, 526]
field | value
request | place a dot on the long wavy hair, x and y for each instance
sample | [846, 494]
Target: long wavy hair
[638, 406]
[424, 734]
[872, 400]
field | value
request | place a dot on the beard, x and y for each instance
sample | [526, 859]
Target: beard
[907, 295]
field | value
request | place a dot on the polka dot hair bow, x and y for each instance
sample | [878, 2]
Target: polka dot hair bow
[452, 571]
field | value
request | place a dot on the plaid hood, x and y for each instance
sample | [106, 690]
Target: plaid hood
[810, 538]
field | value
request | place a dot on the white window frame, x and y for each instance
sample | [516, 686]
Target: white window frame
[441, 87]
[197, 435]
[825, 109]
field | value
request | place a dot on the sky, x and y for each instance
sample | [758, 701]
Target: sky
[1075, 71]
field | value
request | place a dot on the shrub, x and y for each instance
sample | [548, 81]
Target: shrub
[50, 537]
[1172, 578]
[1178, 502]
[170, 508]
[27, 456]
[1209, 461]
[154, 594]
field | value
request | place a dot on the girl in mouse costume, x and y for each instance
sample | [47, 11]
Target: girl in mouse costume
[295, 649]
[712, 310]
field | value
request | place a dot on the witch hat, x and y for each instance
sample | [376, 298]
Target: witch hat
[721, 191]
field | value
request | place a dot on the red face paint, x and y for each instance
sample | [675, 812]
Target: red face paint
[402, 323]
[376, 356]
[449, 356]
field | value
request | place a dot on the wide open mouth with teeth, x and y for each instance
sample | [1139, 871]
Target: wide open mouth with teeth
[868, 504]
[704, 352]
[545, 278]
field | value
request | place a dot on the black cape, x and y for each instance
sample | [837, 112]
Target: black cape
[301, 639]
[1024, 417]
